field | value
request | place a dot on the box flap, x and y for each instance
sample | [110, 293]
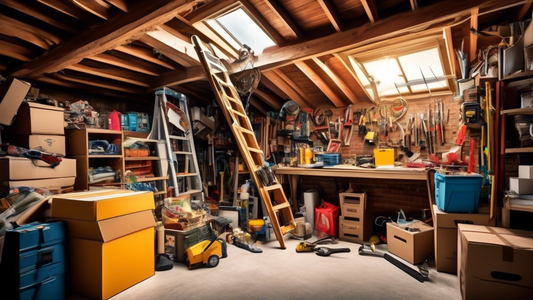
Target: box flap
[12, 93]
[522, 239]
[101, 206]
[451, 220]
[483, 238]
[44, 106]
[109, 229]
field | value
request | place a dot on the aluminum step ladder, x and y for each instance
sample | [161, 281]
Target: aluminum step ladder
[271, 192]
[172, 124]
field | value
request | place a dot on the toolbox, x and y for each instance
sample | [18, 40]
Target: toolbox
[33, 262]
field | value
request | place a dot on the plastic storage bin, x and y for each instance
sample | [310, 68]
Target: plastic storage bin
[457, 193]
[331, 159]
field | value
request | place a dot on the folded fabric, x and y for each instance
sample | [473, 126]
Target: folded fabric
[102, 147]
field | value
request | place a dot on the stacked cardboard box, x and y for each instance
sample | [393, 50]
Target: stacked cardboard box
[110, 234]
[413, 242]
[494, 263]
[351, 224]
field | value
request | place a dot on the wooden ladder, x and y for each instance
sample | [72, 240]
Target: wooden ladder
[271, 192]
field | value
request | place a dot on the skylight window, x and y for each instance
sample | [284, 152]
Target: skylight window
[244, 30]
[401, 73]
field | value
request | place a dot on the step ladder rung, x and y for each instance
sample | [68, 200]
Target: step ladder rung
[186, 174]
[190, 192]
[175, 137]
[281, 206]
[182, 152]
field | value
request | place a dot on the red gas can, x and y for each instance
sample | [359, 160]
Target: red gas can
[326, 218]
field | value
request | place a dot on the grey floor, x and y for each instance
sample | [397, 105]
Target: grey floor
[286, 274]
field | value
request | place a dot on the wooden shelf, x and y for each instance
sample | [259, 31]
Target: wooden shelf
[102, 131]
[175, 137]
[152, 179]
[160, 193]
[140, 139]
[518, 76]
[104, 156]
[519, 150]
[518, 111]
[141, 158]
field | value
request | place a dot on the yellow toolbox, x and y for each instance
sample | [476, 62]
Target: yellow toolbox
[384, 157]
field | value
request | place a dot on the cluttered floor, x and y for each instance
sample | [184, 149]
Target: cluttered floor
[287, 274]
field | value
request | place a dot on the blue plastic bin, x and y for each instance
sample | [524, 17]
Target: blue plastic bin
[458, 193]
[331, 159]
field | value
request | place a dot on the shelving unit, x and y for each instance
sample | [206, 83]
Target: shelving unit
[157, 159]
[77, 144]
[510, 152]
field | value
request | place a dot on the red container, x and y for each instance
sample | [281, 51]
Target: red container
[113, 120]
[326, 218]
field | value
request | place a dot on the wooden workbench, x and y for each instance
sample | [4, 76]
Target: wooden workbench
[347, 171]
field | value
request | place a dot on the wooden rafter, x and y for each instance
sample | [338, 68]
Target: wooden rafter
[270, 31]
[284, 17]
[445, 13]
[15, 51]
[257, 105]
[337, 80]
[371, 10]
[126, 64]
[447, 33]
[120, 4]
[111, 73]
[178, 77]
[286, 88]
[329, 8]
[31, 34]
[320, 83]
[209, 9]
[173, 49]
[30, 10]
[144, 54]
[99, 9]
[292, 84]
[105, 84]
[472, 53]
[524, 11]
[70, 9]
[414, 4]
[117, 31]
[268, 98]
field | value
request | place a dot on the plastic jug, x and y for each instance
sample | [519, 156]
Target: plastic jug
[113, 120]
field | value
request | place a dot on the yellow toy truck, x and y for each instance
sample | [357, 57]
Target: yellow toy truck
[206, 253]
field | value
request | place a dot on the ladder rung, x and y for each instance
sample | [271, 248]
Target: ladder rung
[255, 150]
[272, 187]
[190, 192]
[175, 137]
[281, 206]
[182, 152]
[186, 174]
[244, 130]
[287, 228]
[239, 113]
[233, 99]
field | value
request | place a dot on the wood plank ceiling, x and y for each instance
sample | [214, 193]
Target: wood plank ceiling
[116, 47]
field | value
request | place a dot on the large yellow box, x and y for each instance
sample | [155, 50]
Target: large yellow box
[384, 157]
[100, 205]
[99, 270]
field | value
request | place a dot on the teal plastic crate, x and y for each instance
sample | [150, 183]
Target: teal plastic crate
[458, 193]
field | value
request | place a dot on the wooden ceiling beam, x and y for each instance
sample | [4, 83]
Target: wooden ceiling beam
[120, 4]
[286, 88]
[28, 33]
[15, 51]
[284, 17]
[117, 31]
[105, 84]
[178, 77]
[209, 9]
[450, 51]
[292, 84]
[371, 10]
[144, 54]
[320, 83]
[414, 5]
[99, 9]
[257, 105]
[331, 12]
[31, 11]
[174, 54]
[524, 11]
[123, 63]
[70, 9]
[268, 98]
[443, 13]
[111, 73]
[472, 53]
[337, 80]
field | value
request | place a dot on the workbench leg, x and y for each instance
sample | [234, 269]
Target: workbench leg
[293, 183]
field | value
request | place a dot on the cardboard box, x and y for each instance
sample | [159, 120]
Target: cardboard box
[22, 168]
[525, 171]
[100, 270]
[35, 118]
[12, 93]
[521, 186]
[445, 226]
[384, 157]
[351, 230]
[50, 143]
[494, 263]
[50, 183]
[412, 246]
[91, 206]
